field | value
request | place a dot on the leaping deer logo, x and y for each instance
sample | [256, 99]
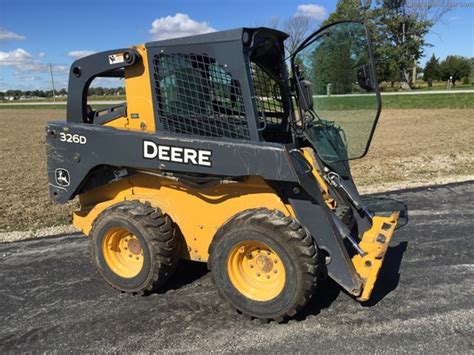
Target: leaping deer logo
[62, 177]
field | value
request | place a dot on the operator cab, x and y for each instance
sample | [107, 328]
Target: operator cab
[234, 85]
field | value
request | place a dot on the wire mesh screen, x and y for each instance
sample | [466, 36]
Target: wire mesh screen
[268, 95]
[197, 96]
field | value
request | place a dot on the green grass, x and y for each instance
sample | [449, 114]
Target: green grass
[440, 88]
[421, 85]
[32, 107]
[429, 101]
[63, 99]
[43, 107]
[425, 101]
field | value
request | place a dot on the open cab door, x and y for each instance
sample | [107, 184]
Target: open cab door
[339, 104]
[338, 93]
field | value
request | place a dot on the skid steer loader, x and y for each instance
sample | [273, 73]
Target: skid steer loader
[218, 155]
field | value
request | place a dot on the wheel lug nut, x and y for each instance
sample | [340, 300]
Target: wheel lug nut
[258, 274]
[130, 255]
[251, 266]
[268, 277]
[275, 271]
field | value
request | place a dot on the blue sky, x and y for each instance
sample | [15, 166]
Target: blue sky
[34, 33]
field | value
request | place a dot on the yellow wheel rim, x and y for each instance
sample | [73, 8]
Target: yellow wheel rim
[256, 271]
[122, 252]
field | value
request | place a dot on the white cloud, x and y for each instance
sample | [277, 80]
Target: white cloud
[41, 54]
[314, 11]
[9, 36]
[80, 53]
[179, 25]
[15, 57]
[23, 61]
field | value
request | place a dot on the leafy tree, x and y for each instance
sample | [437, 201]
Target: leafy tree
[349, 10]
[397, 34]
[455, 67]
[99, 91]
[332, 64]
[432, 70]
[399, 40]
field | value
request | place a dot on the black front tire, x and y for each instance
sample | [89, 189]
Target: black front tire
[157, 239]
[294, 247]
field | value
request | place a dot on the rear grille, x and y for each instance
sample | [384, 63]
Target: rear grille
[196, 96]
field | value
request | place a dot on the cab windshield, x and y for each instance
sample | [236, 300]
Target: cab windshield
[337, 63]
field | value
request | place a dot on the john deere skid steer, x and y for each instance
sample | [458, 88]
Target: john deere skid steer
[219, 155]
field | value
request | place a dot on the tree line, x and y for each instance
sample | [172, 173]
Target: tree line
[453, 68]
[95, 91]
[398, 29]
[398, 35]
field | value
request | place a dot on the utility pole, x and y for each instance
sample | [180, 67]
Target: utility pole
[413, 79]
[405, 73]
[52, 81]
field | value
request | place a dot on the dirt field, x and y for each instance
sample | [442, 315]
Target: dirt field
[418, 147]
[24, 202]
[409, 146]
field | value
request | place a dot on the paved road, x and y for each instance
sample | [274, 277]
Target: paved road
[53, 299]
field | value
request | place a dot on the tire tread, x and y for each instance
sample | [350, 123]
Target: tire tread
[161, 238]
[298, 239]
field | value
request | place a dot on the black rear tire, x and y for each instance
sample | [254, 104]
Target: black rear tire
[152, 243]
[288, 241]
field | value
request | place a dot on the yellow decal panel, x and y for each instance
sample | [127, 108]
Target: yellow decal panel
[138, 91]
[140, 116]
